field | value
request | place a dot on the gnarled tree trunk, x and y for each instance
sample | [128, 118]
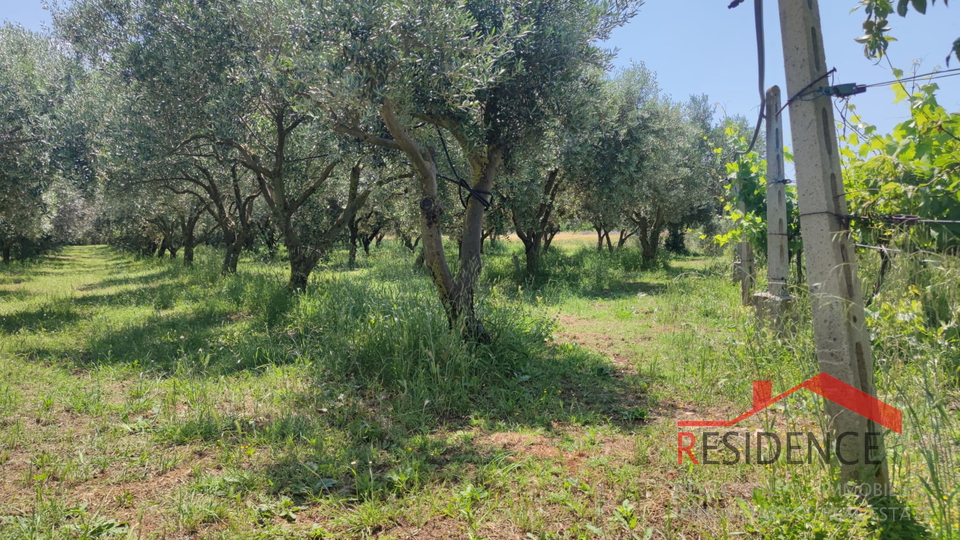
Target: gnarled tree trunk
[625, 235]
[353, 229]
[232, 217]
[548, 238]
[188, 229]
[535, 238]
[649, 233]
[369, 238]
[457, 295]
[302, 262]
[283, 204]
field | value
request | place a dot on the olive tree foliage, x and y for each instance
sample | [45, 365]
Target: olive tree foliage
[37, 151]
[530, 196]
[73, 220]
[478, 71]
[617, 144]
[537, 186]
[705, 172]
[220, 81]
[650, 166]
[169, 65]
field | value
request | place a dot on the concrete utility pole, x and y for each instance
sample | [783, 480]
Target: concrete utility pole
[839, 325]
[745, 267]
[774, 302]
[778, 250]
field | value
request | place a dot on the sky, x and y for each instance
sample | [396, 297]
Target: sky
[701, 47]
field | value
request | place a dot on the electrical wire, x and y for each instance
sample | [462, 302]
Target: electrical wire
[761, 67]
[892, 219]
[847, 124]
[805, 89]
[933, 75]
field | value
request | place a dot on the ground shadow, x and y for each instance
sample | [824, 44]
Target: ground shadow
[14, 295]
[146, 279]
[186, 344]
[45, 318]
[159, 296]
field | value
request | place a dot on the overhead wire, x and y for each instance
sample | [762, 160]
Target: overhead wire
[833, 92]
[761, 68]
[933, 75]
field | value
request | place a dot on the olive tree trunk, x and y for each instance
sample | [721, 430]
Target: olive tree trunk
[536, 236]
[457, 294]
[188, 229]
[649, 233]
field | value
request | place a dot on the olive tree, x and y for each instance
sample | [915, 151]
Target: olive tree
[650, 166]
[620, 141]
[220, 78]
[34, 78]
[544, 169]
[478, 72]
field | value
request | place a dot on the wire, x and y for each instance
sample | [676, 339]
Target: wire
[878, 248]
[862, 88]
[933, 75]
[761, 67]
[847, 124]
[804, 90]
[485, 200]
[893, 219]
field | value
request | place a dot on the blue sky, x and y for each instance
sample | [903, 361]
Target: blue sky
[701, 47]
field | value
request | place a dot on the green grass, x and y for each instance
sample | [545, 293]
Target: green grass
[143, 399]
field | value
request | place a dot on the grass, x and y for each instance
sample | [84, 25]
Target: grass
[143, 399]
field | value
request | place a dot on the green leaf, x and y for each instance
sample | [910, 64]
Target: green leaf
[920, 5]
[902, 6]
[900, 93]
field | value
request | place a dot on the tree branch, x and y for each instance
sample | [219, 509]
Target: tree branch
[403, 140]
[366, 137]
[312, 188]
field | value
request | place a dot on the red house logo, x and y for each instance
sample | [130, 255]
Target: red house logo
[827, 386]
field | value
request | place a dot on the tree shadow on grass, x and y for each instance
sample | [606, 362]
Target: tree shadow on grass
[554, 390]
[14, 295]
[375, 411]
[187, 344]
[159, 296]
[335, 441]
[52, 316]
[416, 463]
[141, 280]
[12, 279]
[387, 381]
